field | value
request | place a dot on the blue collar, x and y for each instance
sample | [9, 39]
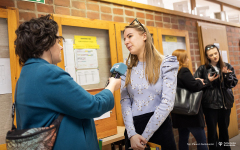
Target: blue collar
[35, 60]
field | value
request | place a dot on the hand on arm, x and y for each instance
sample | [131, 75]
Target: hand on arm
[200, 74]
[202, 80]
[186, 78]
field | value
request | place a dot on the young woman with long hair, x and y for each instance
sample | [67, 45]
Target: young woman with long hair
[217, 99]
[148, 91]
[188, 123]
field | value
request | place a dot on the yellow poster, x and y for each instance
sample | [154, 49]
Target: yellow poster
[84, 42]
[170, 38]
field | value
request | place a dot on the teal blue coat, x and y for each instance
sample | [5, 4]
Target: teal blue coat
[45, 90]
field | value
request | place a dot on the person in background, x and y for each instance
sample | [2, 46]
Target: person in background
[217, 99]
[147, 91]
[189, 123]
[44, 90]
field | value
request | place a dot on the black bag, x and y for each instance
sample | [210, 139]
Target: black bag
[186, 102]
[42, 138]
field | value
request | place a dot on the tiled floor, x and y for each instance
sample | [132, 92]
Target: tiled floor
[236, 142]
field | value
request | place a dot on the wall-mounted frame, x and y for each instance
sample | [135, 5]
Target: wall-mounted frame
[12, 19]
[123, 54]
[178, 34]
[108, 126]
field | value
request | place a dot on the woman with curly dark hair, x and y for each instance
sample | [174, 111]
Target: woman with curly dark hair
[44, 90]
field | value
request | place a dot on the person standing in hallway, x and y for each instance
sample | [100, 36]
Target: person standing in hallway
[147, 91]
[44, 90]
[217, 100]
[188, 123]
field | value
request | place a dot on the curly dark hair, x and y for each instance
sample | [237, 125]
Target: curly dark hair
[34, 37]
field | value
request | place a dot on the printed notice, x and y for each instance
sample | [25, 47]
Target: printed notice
[86, 58]
[86, 77]
[69, 58]
[225, 56]
[169, 47]
[71, 70]
[68, 52]
[5, 76]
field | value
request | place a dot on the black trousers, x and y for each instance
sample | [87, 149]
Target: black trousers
[163, 136]
[220, 117]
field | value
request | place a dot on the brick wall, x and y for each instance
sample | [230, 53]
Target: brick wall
[111, 12]
[233, 36]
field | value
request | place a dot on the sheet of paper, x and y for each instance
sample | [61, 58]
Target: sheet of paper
[86, 77]
[217, 45]
[106, 115]
[68, 52]
[169, 47]
[71, 70]
[181, 45]
[86, 58]
[165, 48]
[225, 56]
[5, 76]
[172, 47]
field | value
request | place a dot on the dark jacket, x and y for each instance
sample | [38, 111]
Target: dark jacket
[186, 80]
[217, 94]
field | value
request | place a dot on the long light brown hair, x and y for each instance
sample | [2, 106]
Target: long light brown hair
[208, 61]
[181, 55]
[151, 57]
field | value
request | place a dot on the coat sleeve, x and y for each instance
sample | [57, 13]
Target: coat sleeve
[126, 106]
[62, 94]
[169, 71]
[189, 81]
[230, 79]
[201, 73]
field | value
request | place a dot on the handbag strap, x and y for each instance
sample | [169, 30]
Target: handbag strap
[13, 108]
[56, 121]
